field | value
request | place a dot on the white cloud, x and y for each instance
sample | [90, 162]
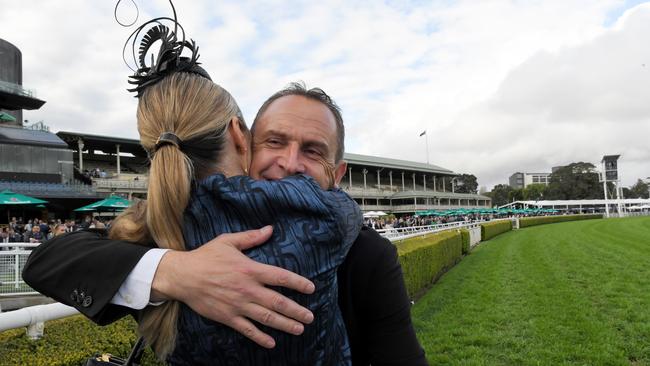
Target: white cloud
[500, 86]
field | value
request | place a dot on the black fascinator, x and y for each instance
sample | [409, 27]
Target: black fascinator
[169, 58]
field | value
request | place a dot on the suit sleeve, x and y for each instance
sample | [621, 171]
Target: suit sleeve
[84, 269]
[391, 336]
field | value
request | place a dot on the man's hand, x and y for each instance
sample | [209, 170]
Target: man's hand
[220, 283]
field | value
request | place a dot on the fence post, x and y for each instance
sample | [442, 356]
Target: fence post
[16, 269]
[35, 331]
[515, 223]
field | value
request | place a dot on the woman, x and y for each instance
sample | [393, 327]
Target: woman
[199, 150]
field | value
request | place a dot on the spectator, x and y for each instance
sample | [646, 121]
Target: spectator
[45, 228]
[36, 236]
[4, 235]
[59, 229]
[15, 237]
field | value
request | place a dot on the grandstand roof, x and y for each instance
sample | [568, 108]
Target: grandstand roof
[394, 163]
[107, 144]
[103, 143]
[22, 136]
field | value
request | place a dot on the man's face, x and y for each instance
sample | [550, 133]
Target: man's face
[296, 135]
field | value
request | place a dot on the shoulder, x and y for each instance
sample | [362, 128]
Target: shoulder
[370, 243]
[371, 251]
[241, 187]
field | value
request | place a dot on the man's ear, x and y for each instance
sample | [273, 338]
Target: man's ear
[339, 172]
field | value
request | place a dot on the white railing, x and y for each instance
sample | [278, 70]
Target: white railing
[413, 231]
[101, 183]
[13, 257]
[34, 317]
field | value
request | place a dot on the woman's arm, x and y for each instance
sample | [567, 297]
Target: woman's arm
[298, 198]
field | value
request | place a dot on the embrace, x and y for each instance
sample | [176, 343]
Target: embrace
[246, 252]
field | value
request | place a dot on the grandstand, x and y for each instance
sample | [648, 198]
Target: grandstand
[83, 166]
[400, 186]
[376, 183]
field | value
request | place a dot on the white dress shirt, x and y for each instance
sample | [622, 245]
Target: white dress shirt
[135, 291]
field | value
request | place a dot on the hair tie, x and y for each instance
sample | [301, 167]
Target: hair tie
[168, 138]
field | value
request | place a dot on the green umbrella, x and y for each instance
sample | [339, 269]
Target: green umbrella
[6, 117]
[112, 203]
[9, 198]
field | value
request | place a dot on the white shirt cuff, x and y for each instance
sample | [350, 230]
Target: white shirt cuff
[136, 289]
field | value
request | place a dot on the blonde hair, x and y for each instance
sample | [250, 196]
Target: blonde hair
[198, 111]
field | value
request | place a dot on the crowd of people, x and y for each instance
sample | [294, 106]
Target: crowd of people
[38, 230]
[95, 173]
[391, 222]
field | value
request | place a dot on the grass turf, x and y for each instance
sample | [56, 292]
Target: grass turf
[574, 293]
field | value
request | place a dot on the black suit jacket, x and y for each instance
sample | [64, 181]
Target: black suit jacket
[84, 269]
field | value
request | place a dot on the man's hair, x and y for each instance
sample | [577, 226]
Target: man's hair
[317, 94]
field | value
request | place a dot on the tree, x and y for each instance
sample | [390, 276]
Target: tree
[534, 192]
[516, 195]
[575, 181]
[638, 190]
[466, 183]
[499, 194]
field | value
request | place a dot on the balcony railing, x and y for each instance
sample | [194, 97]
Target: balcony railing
[100, 183]
[16, 89]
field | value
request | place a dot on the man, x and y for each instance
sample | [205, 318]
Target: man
[295, 131]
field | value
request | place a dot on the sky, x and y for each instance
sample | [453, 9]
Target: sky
[498, 86]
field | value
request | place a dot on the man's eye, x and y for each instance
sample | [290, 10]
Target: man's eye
[273, 142]
[313, 152]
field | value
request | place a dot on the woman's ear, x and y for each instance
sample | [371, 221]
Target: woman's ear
[241, 140]
[240, 135]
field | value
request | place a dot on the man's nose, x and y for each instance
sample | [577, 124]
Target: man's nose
[291, 161]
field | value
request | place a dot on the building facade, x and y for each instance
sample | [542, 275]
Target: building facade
[521, 180]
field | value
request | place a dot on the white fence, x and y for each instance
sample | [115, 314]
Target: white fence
[413, 231]
[34, 317]
[12, 260]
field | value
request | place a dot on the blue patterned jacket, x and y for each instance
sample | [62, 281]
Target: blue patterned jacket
[313, 229]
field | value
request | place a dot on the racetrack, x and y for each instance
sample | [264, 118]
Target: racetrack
[574, 293]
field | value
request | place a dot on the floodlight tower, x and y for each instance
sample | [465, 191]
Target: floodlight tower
[610, 174]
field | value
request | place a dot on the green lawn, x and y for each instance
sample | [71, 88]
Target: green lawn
[575, 293]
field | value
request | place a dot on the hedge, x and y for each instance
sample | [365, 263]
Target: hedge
[465, 237]
[532, 221]
[493, 228]
[425, 258]
[70, 341]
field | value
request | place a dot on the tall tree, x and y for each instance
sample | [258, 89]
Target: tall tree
[639, 190]
[516, 195]
[499, 194]
[575, 181]
[466, 183]
[534, 192]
